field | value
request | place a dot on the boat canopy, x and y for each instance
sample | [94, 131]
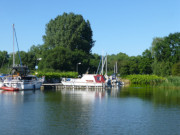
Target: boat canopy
[20, 70]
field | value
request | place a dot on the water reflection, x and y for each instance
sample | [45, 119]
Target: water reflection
[16, 97]
[168, 97]
[132, 110]
[72, 111]
[159, 96]
[11, 96]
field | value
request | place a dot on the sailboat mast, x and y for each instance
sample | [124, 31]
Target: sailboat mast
[102, 64]
[106, 63]
[13, 48]
[116, 67]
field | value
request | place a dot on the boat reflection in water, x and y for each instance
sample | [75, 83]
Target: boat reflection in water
[16, 97]
[91, 95]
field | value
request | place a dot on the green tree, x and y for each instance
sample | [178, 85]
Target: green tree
[3, 58]
[145, 64]
[94, 62]
[166, 52]
[37, 50]
[58, 58]
[134, 65]
[122, 60]
[124, 70]
[176, 69]
[69, 31]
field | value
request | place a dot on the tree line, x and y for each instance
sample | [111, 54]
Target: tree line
[68, 41]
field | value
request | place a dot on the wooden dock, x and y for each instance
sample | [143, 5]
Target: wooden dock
[56, 86]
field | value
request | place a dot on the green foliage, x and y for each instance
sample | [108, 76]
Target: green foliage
[131, 65]
[68, 41]
[145, 79]
[176, 69]
[134, 63]
[27, 58]
[174, 79]
[94, 62]
[69, 31]
[58, 58]
[162, 68]
[63, 59]
[145, 64]
[57, 75]
[4, 59]
[172, 82]
[166, 52]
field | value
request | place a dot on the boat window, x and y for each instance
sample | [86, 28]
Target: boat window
[29, 78]
[99, 78]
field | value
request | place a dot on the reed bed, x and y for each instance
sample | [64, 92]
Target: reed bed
[145, 79]
[171, 82]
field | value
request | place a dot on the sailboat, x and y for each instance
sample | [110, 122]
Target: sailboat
[19, 78]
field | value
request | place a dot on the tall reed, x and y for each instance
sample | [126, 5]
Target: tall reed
[145, 79]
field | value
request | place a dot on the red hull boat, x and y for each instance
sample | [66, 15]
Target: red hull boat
[9, 88]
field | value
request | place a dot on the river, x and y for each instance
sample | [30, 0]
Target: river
[129, 110]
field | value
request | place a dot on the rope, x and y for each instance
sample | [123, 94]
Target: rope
[99, 65]
[17, 46]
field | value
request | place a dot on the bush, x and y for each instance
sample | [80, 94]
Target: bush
[57, 75]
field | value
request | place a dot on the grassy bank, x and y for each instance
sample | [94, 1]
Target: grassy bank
[171, 81]
[145, 79]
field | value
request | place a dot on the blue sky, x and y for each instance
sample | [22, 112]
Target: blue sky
[127, 26]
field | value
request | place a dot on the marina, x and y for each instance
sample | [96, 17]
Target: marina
[90, 68]
[59, 86]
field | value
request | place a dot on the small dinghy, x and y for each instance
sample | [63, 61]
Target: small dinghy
[9, 88]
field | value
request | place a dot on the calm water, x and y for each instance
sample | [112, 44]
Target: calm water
[133, 110]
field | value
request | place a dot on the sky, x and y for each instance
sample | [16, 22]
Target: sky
[126, 26]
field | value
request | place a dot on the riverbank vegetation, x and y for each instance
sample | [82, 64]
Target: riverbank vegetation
[56, 75]
[68, 41]
[145, 79]
[172, 82]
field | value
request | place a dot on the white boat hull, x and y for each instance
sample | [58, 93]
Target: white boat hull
[23, 84]
[87, 80]
[1, 84]
[68, 83]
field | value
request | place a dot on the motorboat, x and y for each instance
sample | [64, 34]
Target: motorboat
[86, 80]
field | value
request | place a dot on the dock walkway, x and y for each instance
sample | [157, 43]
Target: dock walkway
[57, 86]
